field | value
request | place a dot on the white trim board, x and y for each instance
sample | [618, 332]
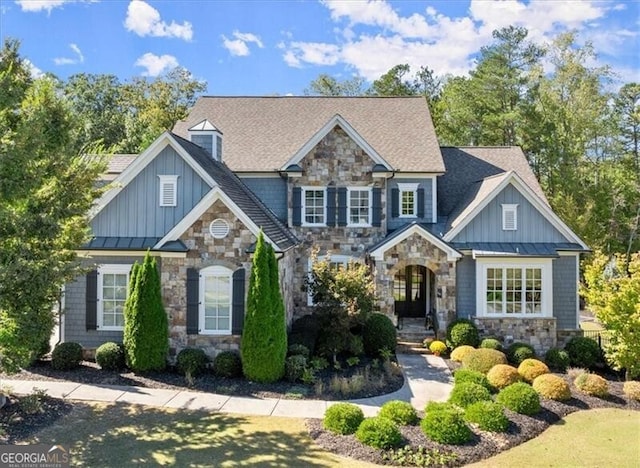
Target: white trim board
[452, 254]
[320, 134]
[129, 253]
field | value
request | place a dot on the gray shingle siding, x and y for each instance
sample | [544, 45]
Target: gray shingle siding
[75, 307]
[427, 185]
[135, 211]
[487, 225]
[272, 191]
[565, 284]
[466, 287]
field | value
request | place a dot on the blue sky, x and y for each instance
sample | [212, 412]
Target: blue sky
[278, 47]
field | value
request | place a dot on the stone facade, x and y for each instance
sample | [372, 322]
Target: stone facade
[416, 250]
[538, 332]
[336, 161]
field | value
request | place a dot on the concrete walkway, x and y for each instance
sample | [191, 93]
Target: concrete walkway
[427, 378]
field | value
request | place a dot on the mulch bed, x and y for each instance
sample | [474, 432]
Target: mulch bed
[19, 421]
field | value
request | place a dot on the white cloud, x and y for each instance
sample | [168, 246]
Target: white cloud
[144, 20]
[70, 61]
[48, 5]
[33, 70]
[156, 64]
[315, 53]
[238, 46]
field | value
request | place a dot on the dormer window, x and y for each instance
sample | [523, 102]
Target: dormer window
[509, 217]
[408, 200]
[208, 137]
[168, 190]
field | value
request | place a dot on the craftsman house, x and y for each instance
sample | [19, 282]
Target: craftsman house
[457, 232]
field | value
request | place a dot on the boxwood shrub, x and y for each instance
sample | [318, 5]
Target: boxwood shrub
[503, 375]
[482, 360]
[518, 352]
[631, 389]
[491, 343]
[110, 356]
[297, 349]
[446, 425]
[192, 361]
[488, 415]
[343, 418]
[552, 387]
[466, 393]
[438, 347]
[400, 412]
[592, 384]
[529, 369]
[583, 352]
[66, 356]
[557, 359]
[294, 367]
[465, 375]
[227, 364]
[460, 352]
[462, 332]
[378, 333]
[521, 398]
[380, 433]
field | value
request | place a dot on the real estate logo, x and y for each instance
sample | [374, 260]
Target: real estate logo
[33, 456]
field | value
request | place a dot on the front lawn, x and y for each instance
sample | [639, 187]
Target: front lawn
[600, 437]
[126, 435]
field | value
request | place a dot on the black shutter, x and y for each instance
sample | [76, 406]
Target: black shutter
[331, 206]
[376, 206]
[237, 302]
[395, 203]
[297, 206]
[342, 206]
[91, 319]
[420, 203]
[193, 301]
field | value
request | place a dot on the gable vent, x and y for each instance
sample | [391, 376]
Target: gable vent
[509, 217]
[219, 228]
[168, 190]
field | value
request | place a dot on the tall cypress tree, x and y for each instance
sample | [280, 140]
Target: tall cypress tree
[264, 338]
[146, 332]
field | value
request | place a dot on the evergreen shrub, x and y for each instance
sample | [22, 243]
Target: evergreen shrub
[378, 333]
[343, 418]
[380, 433]
[503, 375]
[400, 412]
[521, 398]
[518, 352]
[66, 356]
[483, 359]
[552, 387]
[462, 332]
[110, 356]
[227, 364]
[488, 415]
[529, 369]
[460, 352]
[466, 393]
[191, 361]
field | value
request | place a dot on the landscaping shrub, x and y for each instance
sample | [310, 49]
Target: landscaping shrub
[378, 333]
[438, 347]
[227, 364]
[380, 433]
[583, 352]
[110, 356]
[529, 369]
[592, 384]
[552, 387]
[466, 393]
[521, 398]
[466, 375]
[446, 425]
[66, 356]
[482, 360]
[488, 415]
[294, 367]
[355, 345]
[433, 406]
[400, 412]
[460, 352]
[557, 359]
[462, 332]
[518, 352]
[491, 343]
[631, 389]
[343, 418]
[503, 375]
[299, 350]
[574, 372]
[305, 331]
[191, 361]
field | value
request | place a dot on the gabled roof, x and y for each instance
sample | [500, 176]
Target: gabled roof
[204, 126]
[263, 133]
[378, 250]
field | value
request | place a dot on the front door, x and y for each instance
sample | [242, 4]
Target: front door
[410, 290]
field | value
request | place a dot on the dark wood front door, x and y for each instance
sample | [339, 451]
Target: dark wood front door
[410, 291]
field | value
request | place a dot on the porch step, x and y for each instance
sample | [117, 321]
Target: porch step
[411, 347]
[413, 335]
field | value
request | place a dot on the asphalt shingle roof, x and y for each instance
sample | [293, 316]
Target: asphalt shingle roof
[263, 133]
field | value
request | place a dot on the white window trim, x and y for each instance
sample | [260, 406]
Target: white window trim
[359, 189]
[404, 187]
[216, 270]
[546, 266]
[111, 269]
[166, 180]
[343, 259]
[303, 214]
[506, 209]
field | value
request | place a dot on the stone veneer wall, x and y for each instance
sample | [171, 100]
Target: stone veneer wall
[538, 332]
[204, 251]
[563, 336]
[338, 161]
[416, 250]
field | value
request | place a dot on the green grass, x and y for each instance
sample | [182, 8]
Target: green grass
[108, 435]
[594, 438]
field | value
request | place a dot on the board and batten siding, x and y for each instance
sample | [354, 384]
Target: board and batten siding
[75, 299]
[466, 287]
[565, 288]
[487, 225]
[272, 191]
[136, 211]
[395, 222]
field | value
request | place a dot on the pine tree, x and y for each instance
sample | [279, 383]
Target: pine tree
[146, 333]
[264, 338]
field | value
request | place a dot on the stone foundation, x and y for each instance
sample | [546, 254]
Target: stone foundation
[539, 332]
[565, 335]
